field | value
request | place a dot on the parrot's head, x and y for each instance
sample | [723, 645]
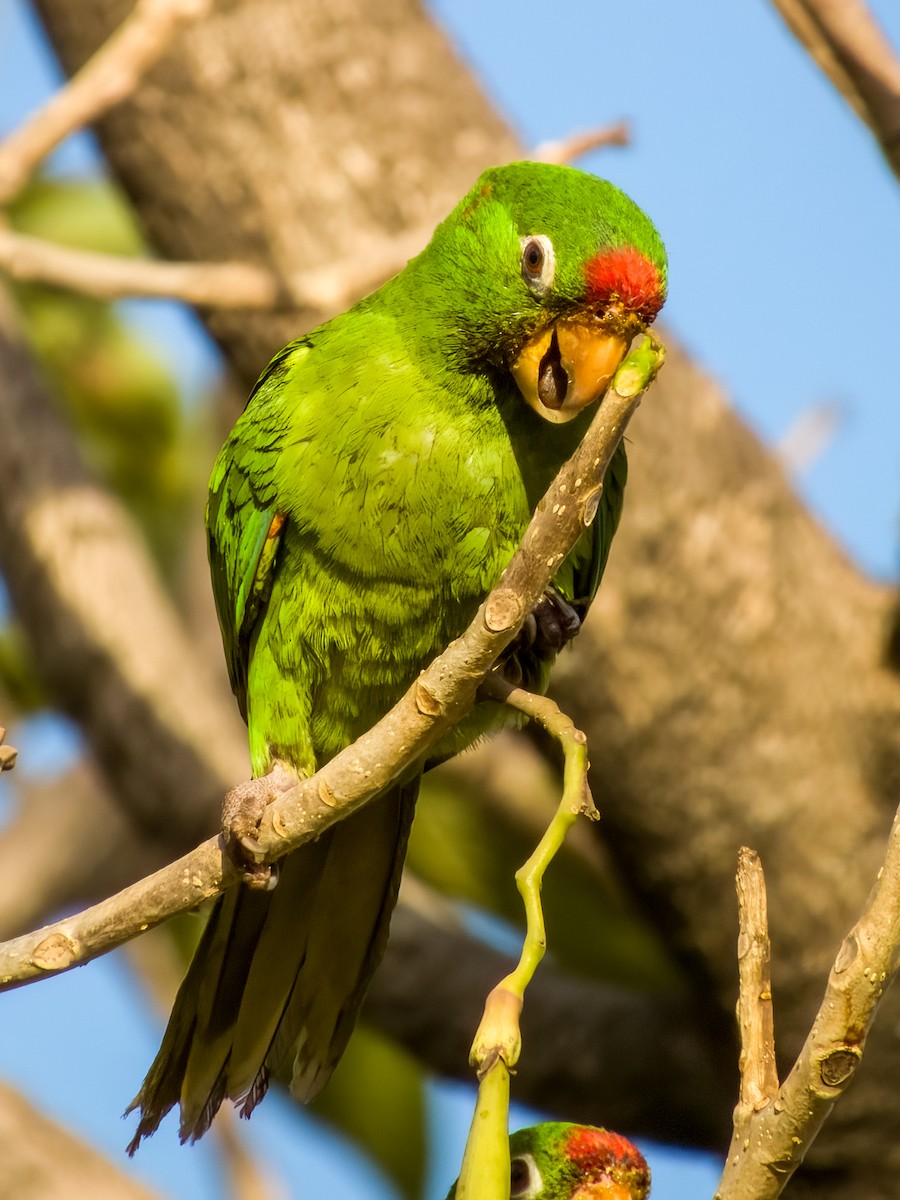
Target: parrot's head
[558, 1161]
[546, 273]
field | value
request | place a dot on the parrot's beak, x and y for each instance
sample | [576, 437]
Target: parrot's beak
[563, 369]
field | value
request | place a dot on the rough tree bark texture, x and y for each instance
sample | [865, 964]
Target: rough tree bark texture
[734, 689]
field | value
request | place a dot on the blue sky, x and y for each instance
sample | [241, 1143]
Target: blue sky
[783, 228]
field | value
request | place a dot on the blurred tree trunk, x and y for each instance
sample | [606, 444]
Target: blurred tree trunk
[42, 1161]
[731, 680]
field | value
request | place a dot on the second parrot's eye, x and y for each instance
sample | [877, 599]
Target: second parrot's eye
[524, 1178]
[538, 262]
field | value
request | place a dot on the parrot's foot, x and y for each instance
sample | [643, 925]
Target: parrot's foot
[242, 812]
[556, 622]
[550, 626]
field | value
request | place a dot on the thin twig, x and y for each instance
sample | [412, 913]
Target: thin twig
[759, 1076]
[768, 1149]
[575, 145]
[433, 704]
[105, 79]
[846, 41]
[498, 1035]
[498, 1041]
[109, 277]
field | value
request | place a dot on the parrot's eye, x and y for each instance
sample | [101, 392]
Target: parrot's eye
[538, 262]
[524, 1178]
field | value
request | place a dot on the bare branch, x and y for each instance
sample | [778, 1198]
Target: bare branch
[108, 77]
[845, 40]
[88, 848]
[759, 1077]
[108, 277]
[567, 149]
[433, 704]
[248, 1178]
[768, 1149]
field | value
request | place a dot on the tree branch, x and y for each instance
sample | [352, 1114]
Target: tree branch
[845, 40]
[109, 277]
[441, 695]
[108, 77]
[574, 145]
[8, 754]
[759, 1077]
[771, 1142]
[87, 846]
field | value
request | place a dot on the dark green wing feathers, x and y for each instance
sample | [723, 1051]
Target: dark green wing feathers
[244, 525]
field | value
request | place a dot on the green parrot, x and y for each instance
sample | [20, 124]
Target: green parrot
[559, 1161]
[372, 492]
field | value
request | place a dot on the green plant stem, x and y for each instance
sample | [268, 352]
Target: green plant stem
[498, 1042]
[484, 1174]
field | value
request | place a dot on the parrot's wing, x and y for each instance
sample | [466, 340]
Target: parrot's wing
[243, 521]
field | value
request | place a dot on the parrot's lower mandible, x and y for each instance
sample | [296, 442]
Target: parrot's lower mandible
[371, 494]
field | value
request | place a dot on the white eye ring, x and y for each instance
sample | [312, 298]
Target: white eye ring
[533, 1182]
[538, 262]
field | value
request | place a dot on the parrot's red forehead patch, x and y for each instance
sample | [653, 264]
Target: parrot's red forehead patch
[626, 275]
[597, 1152]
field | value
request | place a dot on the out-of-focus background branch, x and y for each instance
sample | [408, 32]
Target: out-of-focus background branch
[846, 41]
[733, 681]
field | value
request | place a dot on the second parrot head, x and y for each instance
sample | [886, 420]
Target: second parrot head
[547, 273]
[559, 1161]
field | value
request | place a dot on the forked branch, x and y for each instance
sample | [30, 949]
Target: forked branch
[775, 1126]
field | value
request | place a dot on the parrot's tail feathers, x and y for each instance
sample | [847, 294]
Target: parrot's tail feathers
[278, 978]
[193, 1127]
[256, 1093]
[160, 1091]
[345, 939]
[148, 1124]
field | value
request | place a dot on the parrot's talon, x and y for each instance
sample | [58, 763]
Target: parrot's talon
[550, 626]
[261, 876]
[254, 854]
[242, 812]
